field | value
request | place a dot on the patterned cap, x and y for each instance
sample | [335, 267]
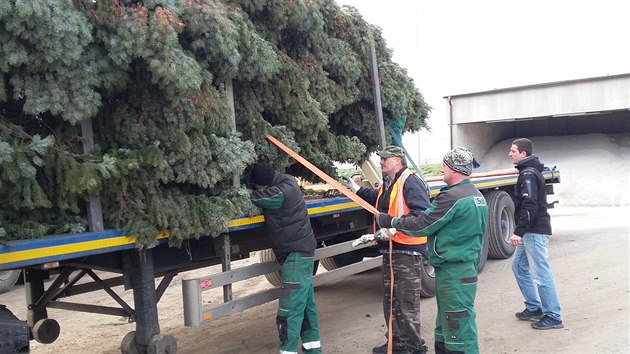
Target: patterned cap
[460, 159]
[392, 151]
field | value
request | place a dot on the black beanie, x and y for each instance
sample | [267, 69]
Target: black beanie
[262, 174]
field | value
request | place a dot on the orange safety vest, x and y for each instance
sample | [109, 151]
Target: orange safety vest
[399, 209]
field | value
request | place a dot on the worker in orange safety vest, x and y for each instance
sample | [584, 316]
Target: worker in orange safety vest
[401, 193]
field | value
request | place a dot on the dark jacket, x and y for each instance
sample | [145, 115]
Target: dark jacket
[286, 217]
[530, 199]
[416, 197]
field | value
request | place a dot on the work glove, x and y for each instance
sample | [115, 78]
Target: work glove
[367, 238]
[351, 184]
[384, 234]
[384, 220]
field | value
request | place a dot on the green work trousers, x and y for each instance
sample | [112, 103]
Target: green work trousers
[455, 327]
[297, 311]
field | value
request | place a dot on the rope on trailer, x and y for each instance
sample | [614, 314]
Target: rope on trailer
[348, 193]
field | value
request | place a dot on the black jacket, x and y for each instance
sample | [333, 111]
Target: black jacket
[286, 217]
[530, 199]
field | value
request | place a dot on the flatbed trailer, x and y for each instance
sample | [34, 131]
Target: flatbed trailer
[72, 257]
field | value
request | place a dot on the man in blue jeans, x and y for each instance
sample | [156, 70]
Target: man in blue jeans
[531, 236]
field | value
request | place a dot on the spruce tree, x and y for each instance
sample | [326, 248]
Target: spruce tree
[150, 75]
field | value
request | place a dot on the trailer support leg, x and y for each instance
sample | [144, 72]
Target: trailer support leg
[43, 329]
[34, 288]
[144, 297]
[226, 265]
[146, 338]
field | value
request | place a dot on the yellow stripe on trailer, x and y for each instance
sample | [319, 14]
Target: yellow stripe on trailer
[246, 221]
[71, 248]
[495, 183]
[330, 208]
[311, 211]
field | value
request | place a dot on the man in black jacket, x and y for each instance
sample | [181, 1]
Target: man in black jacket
[531, 236]
[293, 243]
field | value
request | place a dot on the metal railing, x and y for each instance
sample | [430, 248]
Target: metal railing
[195, 314]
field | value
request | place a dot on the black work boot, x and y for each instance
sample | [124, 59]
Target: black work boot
[547, 322]
[383, 350]
[527, 315]
[440, 348]
[422, 350]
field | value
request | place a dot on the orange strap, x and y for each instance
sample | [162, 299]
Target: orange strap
[348, 193]
[321, 174]
[390, 334]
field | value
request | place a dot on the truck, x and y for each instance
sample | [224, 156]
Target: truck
[106, 260]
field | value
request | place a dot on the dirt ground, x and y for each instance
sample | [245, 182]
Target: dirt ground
[589, 254]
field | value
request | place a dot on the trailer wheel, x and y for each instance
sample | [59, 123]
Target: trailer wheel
[500, 224]
[428, 278]
[329, 263]
[342, 260]
[315, 267]
[485, 248]
[274, 278]
[267, 255]
[129, 344]
[8, 278]
[162, 344]
[46, 331]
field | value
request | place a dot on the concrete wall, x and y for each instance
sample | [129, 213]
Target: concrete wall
[595, 105]
[553, 99]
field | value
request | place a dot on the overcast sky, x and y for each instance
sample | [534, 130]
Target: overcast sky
[461, 46]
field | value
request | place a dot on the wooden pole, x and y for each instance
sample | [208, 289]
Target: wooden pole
[321, 174]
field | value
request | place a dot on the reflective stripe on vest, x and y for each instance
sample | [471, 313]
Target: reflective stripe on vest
[400, 208]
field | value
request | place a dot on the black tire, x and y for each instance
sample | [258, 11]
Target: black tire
[329, 263]
[267, 255]
[8, 279]
[485, 249]
[342, 260]
[46, 331]
[500, 224]
[315, 267]
[274, 278]
[428, 278]
[129, 345]
[162, 344]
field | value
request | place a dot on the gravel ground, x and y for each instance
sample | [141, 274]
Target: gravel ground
[589, 254]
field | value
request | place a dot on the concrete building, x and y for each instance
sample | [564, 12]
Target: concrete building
[592, 105]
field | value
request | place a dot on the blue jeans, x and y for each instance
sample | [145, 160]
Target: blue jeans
[534, 277]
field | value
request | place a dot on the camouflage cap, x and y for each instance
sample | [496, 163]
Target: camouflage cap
[392, 151]
[459, 159]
